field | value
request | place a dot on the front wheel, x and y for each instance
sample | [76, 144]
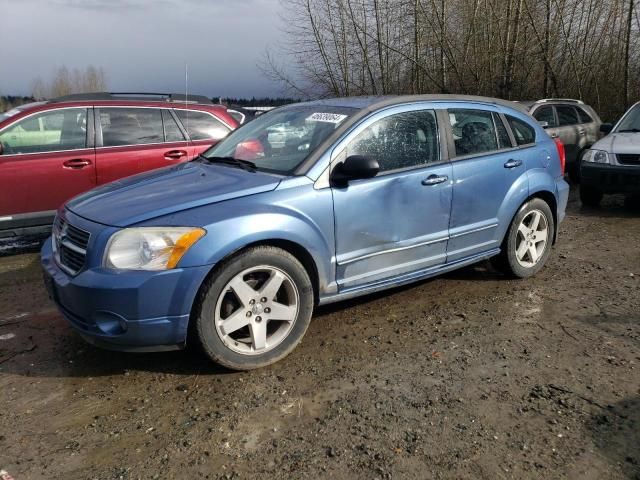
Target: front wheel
[527, 245]
[255, 309]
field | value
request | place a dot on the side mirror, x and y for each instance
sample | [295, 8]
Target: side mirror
[544, 124]
[355, 167]
[606, 127]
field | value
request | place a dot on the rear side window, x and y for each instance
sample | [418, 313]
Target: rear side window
[403, 140]
[50, 131]
[567, 115]
[584, 116]
[503, 136]
[473, 131]
[545, 114]
[202, 126]
[523, 132]
[172, 132]
[131, 126]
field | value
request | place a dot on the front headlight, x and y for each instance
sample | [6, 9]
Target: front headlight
[150, 248]
[596, 156]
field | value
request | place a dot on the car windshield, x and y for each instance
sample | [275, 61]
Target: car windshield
[631, 121]
[281, 140]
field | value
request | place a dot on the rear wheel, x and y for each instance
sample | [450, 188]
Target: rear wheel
[590, 196]
[527, 245]
[255, 310]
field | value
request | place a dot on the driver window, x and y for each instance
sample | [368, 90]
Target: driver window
[399, 141]
[47, 132]
[473, 131]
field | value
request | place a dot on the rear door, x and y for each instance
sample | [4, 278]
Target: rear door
[570, 131]
[485, 169]
[590, 126]
[204, 128]
[48, 158]
[132, 140]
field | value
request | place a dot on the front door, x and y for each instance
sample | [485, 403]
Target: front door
[397, 222]
[47, 158]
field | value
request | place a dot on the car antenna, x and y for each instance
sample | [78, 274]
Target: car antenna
[186, 94]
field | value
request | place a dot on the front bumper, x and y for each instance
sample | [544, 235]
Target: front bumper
[128, 311]
[610, 178]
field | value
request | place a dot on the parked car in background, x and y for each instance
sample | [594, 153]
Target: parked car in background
[308, 204]
[241, 115]
[612, 165]
[576, 124]
[51, 151]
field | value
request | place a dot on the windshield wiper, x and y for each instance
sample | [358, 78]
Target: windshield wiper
[235, 162]
[630, 130]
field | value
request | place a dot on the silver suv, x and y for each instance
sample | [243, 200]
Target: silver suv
[576, 124]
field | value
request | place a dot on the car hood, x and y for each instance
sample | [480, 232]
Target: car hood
[619, 143]
[169, 190]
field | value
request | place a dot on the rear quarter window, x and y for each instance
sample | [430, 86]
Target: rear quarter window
[202, 126]
[522, 131]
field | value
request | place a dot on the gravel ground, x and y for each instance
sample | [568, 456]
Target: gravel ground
[469, 375]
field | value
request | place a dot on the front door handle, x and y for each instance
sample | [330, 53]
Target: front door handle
[77, 163]
[582, 132]
[434, 180]
[174, 154]
[513, 164]
[553, 135]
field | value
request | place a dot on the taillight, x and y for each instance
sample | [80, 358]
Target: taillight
[561, 154]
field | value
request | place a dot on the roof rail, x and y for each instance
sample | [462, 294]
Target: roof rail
[580, 102]
[148, 96]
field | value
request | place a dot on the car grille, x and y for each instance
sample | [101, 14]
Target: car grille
[629, 159]
[70, 245]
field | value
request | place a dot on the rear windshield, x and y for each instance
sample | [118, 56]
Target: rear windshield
[279, 141]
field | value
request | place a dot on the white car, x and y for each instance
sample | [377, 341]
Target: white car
[612, 164]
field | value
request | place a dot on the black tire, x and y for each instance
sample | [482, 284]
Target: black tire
[507, 261]
[590, 196]
[203, 317]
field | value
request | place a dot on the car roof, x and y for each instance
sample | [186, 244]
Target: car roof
[552, 101]
[375, 102]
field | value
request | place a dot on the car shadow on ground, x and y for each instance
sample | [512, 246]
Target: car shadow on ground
[616, 434]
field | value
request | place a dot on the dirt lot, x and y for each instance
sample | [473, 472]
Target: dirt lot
[466, 376]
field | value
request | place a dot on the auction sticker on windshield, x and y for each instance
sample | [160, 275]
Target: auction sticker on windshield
[326, 117]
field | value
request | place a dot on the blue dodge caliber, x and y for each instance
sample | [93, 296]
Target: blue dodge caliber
[309, 204]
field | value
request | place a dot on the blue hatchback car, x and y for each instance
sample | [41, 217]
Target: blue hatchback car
[309, 204]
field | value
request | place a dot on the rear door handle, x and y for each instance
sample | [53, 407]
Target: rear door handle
[513, 164]
[434, 180]
[77, 163]
[553, 135]
[175, 154]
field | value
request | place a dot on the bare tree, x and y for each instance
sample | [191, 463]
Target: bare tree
[65, 82]
[515, 49]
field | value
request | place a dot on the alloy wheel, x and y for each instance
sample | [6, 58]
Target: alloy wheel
[532, 238]
[257, 310]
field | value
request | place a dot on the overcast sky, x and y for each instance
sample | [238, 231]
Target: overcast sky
[143, 45]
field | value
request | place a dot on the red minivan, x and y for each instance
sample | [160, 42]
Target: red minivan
[51, 151]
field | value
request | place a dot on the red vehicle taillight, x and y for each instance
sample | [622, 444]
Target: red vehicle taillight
[561, 154]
